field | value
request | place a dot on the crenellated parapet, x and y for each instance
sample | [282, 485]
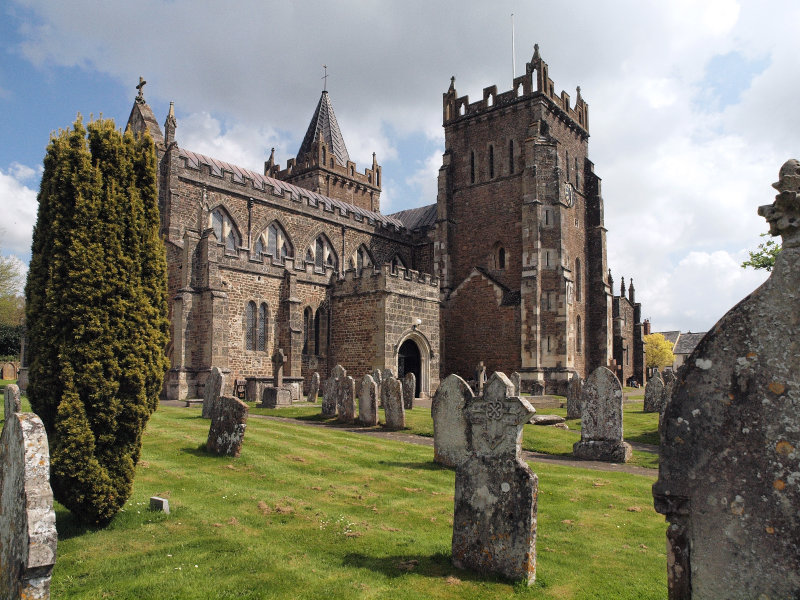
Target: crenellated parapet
[535, 82]
[387, 278]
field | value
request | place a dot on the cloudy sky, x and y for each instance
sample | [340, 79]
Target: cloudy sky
[692, 105]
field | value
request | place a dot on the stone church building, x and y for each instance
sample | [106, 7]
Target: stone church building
[508, 266]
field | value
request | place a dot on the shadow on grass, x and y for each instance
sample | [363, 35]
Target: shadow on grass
[435, 565]
[201, 452]
[69, 526]
[421, 465]
[651, 437]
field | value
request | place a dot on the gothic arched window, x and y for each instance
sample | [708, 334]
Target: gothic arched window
[578, 280]
[224, 229]
[323, 254]
[250, 326]
[362, 258]
[274, 242]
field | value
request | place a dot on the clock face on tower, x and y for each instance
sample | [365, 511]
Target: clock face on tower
[569, 194]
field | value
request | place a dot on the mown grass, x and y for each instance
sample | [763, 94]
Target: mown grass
[638, 427]
[311, 512]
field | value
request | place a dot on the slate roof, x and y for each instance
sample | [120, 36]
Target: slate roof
[687, 342]
[324, 126]
[280, 188]
[671, 336]
[417, 218]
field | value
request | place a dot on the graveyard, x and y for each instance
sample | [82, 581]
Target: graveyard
[309, 512]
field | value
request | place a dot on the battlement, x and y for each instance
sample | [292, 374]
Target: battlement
[387, 278]
[250, 182]
[456, 108]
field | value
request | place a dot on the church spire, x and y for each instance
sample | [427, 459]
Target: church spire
[324, 128]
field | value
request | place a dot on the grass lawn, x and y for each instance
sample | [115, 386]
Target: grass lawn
[638, 426]
[321, 513]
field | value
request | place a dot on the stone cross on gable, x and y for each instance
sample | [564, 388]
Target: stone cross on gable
[140, 87]
[497, 418]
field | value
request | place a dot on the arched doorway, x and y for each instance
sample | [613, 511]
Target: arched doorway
[409, 360]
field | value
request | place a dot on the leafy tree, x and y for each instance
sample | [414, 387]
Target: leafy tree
[658, 350]
[12, 305]
[764, 256]
[10, 340]
[96, 312]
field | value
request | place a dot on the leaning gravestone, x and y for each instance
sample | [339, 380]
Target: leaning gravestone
[494, 518]
[654, 395]
[215, 384]
[669, 386]
[574, 393]
[451, 432]
[409, 390]
[28, 536]
[228, 422]
[368, 402]
[313, 388]
[601, 419]
[729, 471]
[392, 401]
[346, 400]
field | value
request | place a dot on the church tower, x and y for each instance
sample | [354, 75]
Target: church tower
[323, 165]
[520, 247]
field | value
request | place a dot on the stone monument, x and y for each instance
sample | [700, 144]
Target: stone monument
[392, 400]
[28, 536]
[278, 360]
[654, 395]
[228, 422]
[409, 390]
[601, 419]
[669, 387]
[574, 393]
[494, 519]
[346, 400]
[215, 385]
[516, 378]
[368, 402]
[451, 431]
[313, 388]
[729, 474]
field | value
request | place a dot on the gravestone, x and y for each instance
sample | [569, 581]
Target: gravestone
[228, 423]
[12, 401]
[451, 432]
[28, 536]
[480, 378]
[654, 395]
[409, 390]
[392, 400]
[9, 371]
[729, 469]
[278, 360]
[574, 392]
[215, 384]
[515, 381]
[657, 373]
[377, 376]
[313, 388]
[158, 504]
[537, 388]
[669, 386]
[346, 400]
[330, 395]
[494, 516]
[601, 419]
[368, 402]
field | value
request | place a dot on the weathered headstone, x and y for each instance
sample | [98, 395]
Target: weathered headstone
[601, 419]
[12, 401]
[729, 470]
[515, 381]
[377, 375]
[669, 386]
[537, 388]
[346, 400]
[28, 536]
[574, 392]
[215, 384]
[228, 423]
[158, 504]
[313, 388]
[330, 395]
[480, 378]
[409, 390]
[494, 518]
[654, 395]
[392, 400]
[657, 373]
[368, 402]
[278, 360]
[451, 431]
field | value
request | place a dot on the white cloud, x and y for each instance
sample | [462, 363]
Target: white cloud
[18, 206]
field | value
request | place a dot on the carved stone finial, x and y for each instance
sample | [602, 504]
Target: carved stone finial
[536, 53]
[783, 215]
[578, 90]
[452, 84]
[610, 281]
[622, 287]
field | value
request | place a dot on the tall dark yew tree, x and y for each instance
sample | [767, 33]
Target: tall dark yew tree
[96, 312]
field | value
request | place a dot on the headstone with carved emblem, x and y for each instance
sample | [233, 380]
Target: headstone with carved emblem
[494, 519]
[601, 419]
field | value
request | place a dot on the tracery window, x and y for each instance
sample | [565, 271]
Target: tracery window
[274, 242]
[362, 258]
[256, 326]
[323, 254]
[224, 229]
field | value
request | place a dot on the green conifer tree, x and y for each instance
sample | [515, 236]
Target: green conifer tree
[96, 312]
